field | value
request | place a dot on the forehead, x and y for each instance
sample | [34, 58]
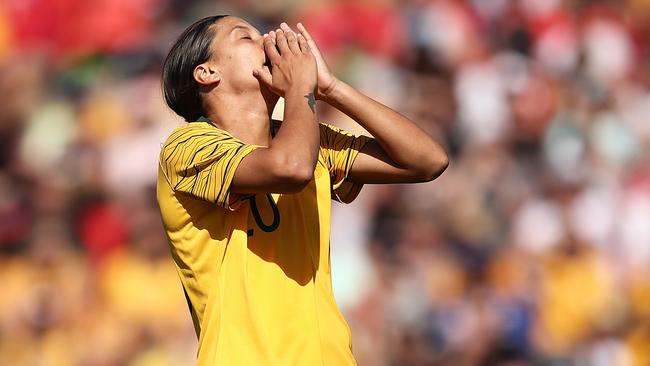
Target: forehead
[226, 25]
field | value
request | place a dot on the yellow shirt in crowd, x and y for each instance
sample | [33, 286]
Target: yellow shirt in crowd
[255, 268]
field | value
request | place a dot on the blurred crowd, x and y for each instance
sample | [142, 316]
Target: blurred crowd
[533, 248]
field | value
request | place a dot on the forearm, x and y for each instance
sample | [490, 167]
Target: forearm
[298, 139]
[402, 140]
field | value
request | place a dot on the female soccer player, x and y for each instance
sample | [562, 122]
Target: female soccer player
[245, 200]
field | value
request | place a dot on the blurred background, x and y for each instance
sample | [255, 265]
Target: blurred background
[533, 248]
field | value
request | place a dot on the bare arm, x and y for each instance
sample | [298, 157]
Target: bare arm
[287, 165]
[400, 153]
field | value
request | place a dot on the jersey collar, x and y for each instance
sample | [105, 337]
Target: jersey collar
[205, 119]
[274, 125]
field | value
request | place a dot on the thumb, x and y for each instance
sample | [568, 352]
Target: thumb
[263, 76]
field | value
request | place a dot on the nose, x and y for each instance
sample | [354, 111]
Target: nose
[260, 40]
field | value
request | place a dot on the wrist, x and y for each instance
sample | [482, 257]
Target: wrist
[298, 90]
[329, 94]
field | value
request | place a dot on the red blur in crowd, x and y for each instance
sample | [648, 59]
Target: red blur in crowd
[69, 27]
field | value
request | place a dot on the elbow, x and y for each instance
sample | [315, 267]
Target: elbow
[434, 167]
[297, 179]
[293, 174]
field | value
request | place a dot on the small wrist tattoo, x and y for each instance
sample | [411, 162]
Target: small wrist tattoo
[311, 100]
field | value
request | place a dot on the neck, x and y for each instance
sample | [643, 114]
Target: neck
[247, 116]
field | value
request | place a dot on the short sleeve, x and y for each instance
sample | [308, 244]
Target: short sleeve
[339, 148]
[201, 162]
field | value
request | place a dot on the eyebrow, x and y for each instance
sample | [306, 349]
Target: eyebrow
[239, 27]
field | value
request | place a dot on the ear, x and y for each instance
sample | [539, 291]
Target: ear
[206, 74]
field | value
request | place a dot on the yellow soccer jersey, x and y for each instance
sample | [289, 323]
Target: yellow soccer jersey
[255, 268]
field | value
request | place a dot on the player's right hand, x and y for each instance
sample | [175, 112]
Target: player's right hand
[293, 66]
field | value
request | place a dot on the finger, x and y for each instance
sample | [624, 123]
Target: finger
[281, 42]
[285, 27]
[263, 76]
[304, 32]
[271, 51]
[310, 40]
[304, 46]
[293, 42]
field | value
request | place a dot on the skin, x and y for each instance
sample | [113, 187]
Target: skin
[236, 84]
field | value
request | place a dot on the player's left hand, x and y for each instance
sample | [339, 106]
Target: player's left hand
[326, 81]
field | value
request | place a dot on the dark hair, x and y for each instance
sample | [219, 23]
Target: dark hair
[180, 90]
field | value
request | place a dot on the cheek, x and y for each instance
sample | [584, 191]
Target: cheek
[236, 65]
[239, 62]
[237, 71]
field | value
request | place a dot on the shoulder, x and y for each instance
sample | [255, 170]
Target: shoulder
[194, 133]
